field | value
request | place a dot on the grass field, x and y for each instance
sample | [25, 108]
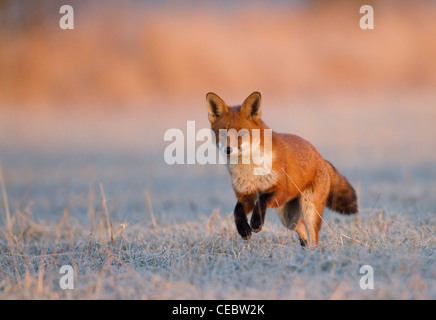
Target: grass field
[93, 191]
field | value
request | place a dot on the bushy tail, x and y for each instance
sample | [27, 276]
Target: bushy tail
[342, 197]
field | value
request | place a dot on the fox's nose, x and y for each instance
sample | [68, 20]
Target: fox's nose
[229, 150]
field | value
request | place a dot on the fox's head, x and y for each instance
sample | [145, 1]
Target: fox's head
[234, 126]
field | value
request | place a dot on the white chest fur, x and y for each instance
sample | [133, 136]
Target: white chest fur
[246, 182]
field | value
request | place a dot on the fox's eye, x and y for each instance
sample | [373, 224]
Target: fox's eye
[242, 133]
[223, 133]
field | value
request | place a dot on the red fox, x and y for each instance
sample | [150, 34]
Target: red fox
[299, 185]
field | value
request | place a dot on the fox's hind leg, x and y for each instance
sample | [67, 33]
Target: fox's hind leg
[310, 221]
[312, 202]
[300, 228]
[290, 213]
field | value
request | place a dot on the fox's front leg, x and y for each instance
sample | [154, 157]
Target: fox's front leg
[258, 216]
[242, 209]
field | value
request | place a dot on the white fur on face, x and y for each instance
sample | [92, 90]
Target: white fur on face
[250, 150]
[245, 151]
[220, 147]
[232, 136]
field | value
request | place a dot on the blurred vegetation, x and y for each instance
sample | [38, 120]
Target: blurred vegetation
[134, 51]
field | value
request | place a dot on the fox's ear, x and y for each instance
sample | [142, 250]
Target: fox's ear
[216, 107]
[252, 106]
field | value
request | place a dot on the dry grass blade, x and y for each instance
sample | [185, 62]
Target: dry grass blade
[5, 201]
[40, 283]
[212, 219]
[150, 208]
[108, 222]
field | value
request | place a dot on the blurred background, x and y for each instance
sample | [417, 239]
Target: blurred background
[137, 52]
[92, 104]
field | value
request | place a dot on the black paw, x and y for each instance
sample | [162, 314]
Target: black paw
[244, 230]
[303, 243]
[256, 223]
